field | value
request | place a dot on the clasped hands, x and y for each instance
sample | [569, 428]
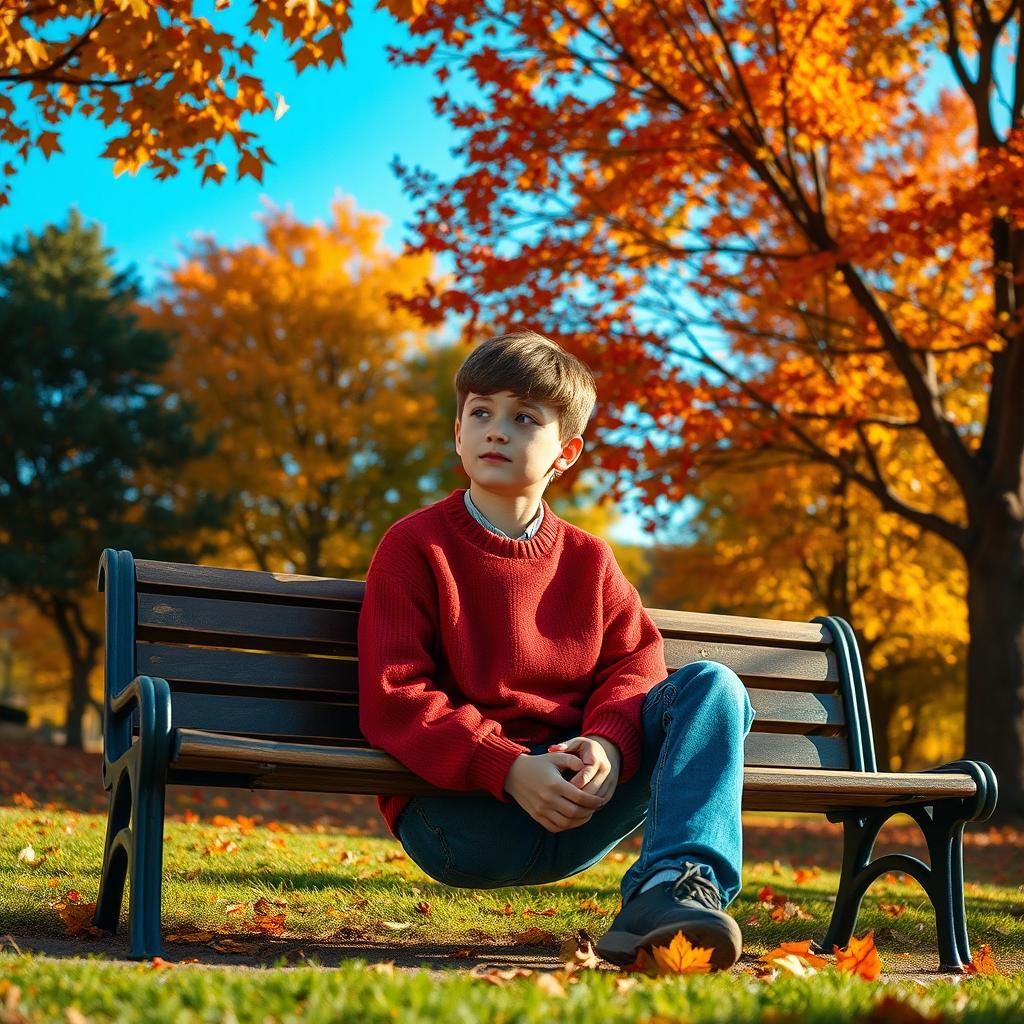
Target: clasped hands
[536, 783]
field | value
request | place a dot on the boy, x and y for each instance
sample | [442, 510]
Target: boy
[502, 650]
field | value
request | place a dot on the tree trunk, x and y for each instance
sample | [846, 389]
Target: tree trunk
[81, 644]
[994, 730]
[78, 701]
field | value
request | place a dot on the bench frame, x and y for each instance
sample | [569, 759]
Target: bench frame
[137, 769]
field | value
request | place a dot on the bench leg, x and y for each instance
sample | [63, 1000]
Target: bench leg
[146, 867]
[942, 826]
[860, 831]
[943, 830]
[116, 850]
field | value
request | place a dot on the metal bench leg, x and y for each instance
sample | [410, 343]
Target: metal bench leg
[860, 831]
[146, 863]
[942, 825]
[943, 828]
[116, 847]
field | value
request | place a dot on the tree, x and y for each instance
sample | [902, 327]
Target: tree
[769, 239]
[174, 81]
[90, 447]
[324, 399]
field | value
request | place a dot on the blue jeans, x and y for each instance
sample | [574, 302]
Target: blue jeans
[686, 792]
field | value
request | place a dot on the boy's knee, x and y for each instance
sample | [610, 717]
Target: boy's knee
[721, 682]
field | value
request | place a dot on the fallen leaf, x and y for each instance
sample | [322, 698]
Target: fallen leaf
[800, 949]
[577, 951]
[801, 875]
[982, 962]
[77, 916]
[680, 957]
[893, 909]
[790, 963]
[222, 845]
[550, 912]
[860, 957]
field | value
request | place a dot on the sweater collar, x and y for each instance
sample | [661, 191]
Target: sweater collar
[539, 545]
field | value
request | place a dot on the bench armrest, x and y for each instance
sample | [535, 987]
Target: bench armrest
[151, 697]
[983, 803]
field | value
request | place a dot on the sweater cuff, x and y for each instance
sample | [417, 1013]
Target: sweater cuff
[622, 732]
[490, 764]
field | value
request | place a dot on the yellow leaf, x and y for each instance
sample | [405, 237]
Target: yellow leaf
[680, 957]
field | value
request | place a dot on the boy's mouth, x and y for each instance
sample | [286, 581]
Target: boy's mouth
[495, 458]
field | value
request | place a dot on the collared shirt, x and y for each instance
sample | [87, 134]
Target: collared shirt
[487, 524]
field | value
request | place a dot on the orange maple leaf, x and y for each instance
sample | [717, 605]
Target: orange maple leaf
[680, 957]
[982, 962]
[860, 957]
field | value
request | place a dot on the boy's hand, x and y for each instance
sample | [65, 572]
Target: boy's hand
[535, 782]
[602, 762]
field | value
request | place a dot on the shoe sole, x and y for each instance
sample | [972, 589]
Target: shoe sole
[622, 948]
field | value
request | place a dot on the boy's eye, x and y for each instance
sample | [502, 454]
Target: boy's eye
[482, 409]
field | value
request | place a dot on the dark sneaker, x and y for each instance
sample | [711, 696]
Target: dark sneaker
[691, 904]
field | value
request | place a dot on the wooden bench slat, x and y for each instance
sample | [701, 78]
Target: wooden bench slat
[240, 583]
[313, 720]
[248, 624]
[704, 625]
[796, 668]
[795, 712]
[235, 671]
[763, 749]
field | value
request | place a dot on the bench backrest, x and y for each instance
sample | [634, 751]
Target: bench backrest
[274, 656]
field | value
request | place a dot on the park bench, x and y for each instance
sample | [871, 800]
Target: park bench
[229, 677]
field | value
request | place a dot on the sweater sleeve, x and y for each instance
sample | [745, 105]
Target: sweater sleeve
[401, 709]
[631, 662]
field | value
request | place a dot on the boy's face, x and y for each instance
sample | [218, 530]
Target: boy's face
[526, 433]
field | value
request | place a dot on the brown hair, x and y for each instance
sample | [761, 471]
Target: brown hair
[533, 368]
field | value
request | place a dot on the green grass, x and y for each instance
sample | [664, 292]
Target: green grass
[104, 992]
[348, 888]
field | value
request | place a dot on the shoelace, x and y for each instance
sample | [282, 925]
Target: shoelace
[691, 884]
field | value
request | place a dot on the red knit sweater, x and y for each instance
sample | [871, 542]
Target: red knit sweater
[472, 645]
